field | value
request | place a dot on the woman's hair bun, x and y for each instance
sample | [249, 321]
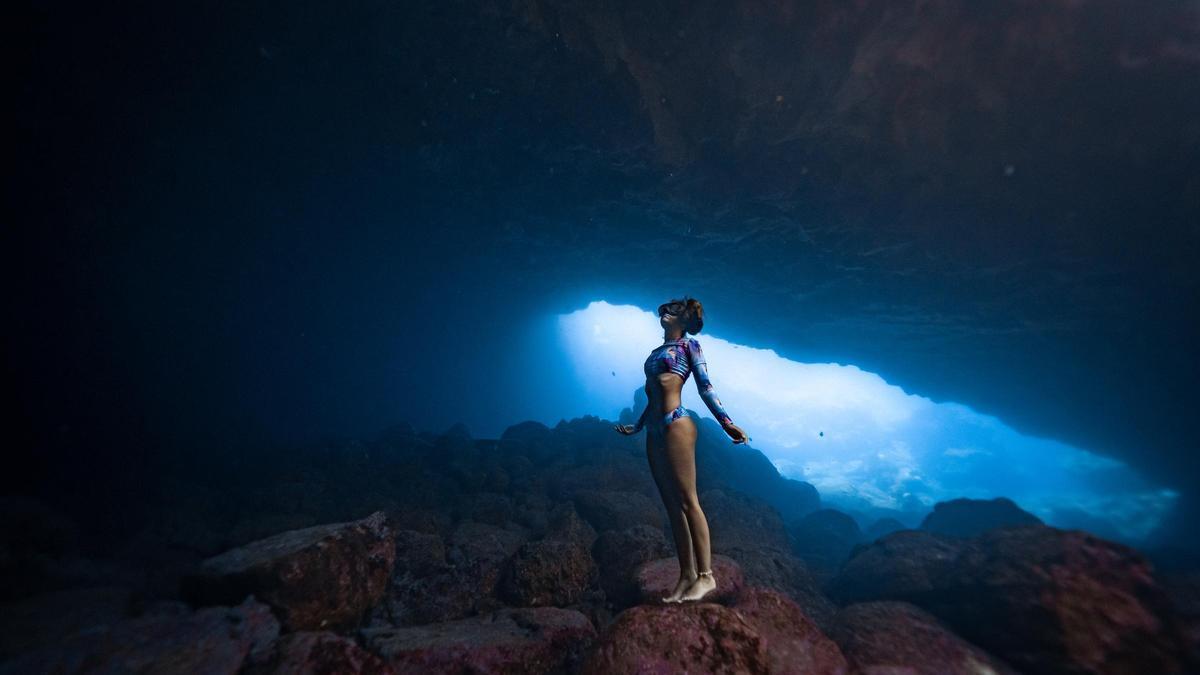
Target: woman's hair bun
[694, 314]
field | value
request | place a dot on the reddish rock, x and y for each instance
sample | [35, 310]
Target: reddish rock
[321, 653]
[697, 637]
[903, 565]
[888, 638]
[657, 578]
[510, 640]
[548, 572]
[794, 643]
[780, 570]
[1060, 601]
[326, 576]
[171, 639]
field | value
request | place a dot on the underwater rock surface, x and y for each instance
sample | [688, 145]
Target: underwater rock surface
[443, 553]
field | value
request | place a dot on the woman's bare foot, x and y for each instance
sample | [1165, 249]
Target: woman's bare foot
[684, 582]
[703, 584]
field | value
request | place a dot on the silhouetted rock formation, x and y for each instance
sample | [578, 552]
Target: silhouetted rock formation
[969, 517]
[485, 558]
[824, 539]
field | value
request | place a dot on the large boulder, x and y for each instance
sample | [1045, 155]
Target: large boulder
[508, 640]
[617, 510]
[170, 639]
[881, 638]
[737, 519]
[824, 539]
[327, 576]
[969, 517]
[1060, 601]
[695, 637]
[903, 565]
[882, 527]
[794, 642]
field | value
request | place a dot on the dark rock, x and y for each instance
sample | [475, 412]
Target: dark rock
[969, 517]
[172, 640]
[794, 642]
[904, 565]
[418, 554]
[318, 577]
[320, 653]
[782, 571]
[897, 637]
[824, 539]
[618, 510]
[509, 640]
[649, 639]
[46, 619]
[736, 519]
[565, 524]
[548, 572]
[657, 578]
[618, 554]
[882, 527]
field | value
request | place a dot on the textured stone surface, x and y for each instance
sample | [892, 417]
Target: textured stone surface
[327, 576]
[794, 643]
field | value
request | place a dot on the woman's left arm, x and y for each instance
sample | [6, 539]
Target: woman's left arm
[704, 385]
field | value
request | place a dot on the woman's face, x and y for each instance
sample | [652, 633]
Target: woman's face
[670, 314]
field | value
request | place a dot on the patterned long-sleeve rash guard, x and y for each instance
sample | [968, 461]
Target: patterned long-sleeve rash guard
[684, 356]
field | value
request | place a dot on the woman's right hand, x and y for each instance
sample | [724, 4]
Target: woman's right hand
[625, 429]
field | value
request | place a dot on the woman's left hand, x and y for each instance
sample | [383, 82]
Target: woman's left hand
[735, 432]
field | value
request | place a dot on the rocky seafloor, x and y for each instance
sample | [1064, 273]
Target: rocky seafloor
[545, 551]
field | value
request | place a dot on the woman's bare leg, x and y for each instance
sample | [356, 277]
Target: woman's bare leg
[660, 469]
[681, 455]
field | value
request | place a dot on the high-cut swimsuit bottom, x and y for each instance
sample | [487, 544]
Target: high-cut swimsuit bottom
[660, 428]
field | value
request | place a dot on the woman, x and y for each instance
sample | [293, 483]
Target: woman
[671, 440]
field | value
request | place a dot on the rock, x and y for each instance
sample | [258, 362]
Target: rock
[173, 640]
[418, 554]
[969, 517]
[565, 524]
[695, 637]
[1049, 601]
[882, 527]
[509, 640]
[903, 565]
[327, 576]
[657, 578]
[780, 570]
[46, 619]
[320, 653]
[882, 638]
[794, 642]
[618, 510]
[548, 572]
[736, 519]
[824, 539]
[618, 554]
